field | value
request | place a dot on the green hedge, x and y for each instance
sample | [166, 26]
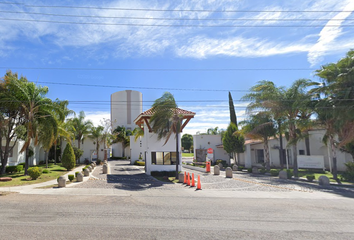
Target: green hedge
[274, 172]
[34, 172]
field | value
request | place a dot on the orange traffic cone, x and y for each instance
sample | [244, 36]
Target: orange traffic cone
[199, 186]
[193, 183]
[185, 178]
[188, 180]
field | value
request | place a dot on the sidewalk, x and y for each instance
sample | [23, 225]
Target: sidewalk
[34, 187]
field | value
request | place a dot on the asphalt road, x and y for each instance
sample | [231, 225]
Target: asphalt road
[152, 210]
[134, 217]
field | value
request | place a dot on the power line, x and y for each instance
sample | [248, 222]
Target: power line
[176, 10]
[177, 25]
[160, 69]
[177, 19]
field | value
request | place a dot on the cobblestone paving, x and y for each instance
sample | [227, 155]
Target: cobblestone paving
[124, 176]
[129, 177]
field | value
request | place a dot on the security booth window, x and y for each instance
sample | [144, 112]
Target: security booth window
[163, 158]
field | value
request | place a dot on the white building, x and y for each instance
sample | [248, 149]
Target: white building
[202, 142]
[158, 156]
[125, 107]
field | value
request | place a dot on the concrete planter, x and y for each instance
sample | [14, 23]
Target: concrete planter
[216, 170]
[61, 181]
[79, 177]
[228, 172]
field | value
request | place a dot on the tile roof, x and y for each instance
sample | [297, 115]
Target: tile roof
[149, 113]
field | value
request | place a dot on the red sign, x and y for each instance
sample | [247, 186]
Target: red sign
[210, 151]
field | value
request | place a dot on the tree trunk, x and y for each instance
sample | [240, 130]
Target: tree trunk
[292, 134]
[123, 149]
[26, 161]
[307, 144]
[281, 150]
[55, 152]
[97, 151]
[46, 158]
[334, 152]
[266, 153]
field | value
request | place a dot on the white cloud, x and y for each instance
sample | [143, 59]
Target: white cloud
[329, 34]
[97, 117]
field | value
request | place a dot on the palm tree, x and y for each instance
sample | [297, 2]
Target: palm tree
[165, 121]
[122, 136]
[37, 111]
[81, 128]
[97, 135]
[260, 126]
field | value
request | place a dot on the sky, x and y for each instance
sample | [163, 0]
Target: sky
[198, 50]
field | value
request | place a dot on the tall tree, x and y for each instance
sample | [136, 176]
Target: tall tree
[166, 121]
[233, 118]
[233, 141]
[10, 117]
[187, 141]
[81, 128]
[97, 136]
[37, 111]
[260, 126]
[122, 135]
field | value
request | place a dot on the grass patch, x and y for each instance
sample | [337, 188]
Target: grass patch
[18, 179]
[317, 173]
[187, 154]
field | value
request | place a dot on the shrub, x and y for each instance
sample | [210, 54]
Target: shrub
[51, 161]
[77, 152]
[45, 171]
[10, 169]
[249, 170]
[71, 177]
[223, 162]
[263, 171]
[310, 177]
[163, 173]
[76, 173]
[86, 162]
[23, 164]
[34, 172]
[19, 168]
[289, 173]
[274, 172]
[68, 159]
[83, 169]
[98, 162]
[240, 168]
[139, 163]
[348, 175]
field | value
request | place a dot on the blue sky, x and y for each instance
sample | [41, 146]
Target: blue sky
[229, 47]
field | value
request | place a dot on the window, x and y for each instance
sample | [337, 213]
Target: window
[163, 158]
[259, 156]
[301, 152]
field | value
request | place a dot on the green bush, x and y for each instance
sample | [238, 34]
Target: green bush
[45, 171]
[348, 175]
[68, 159]
[51, 161]
[10, 169]
[71, 177]
[240, 168]
[274, 172]
[77, 153]
[23, 164]
[262, 171]
[310, 177]
[139, 163]
[98, 162]
[289, 173]
[76, 173]
[19, 168]
[34, 172]
[249, 170]
[223, 162]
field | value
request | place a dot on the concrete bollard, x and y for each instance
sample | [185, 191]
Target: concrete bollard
[93, 166]
[234, 167]
[181, 177]
[86, 172]
[89, 168]
[105, 169]
[79, 177]
[255, 170]
[61, 181]
[221, 166]
[228, 172]
[323, 181]
[216, 170]
[283, 174]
